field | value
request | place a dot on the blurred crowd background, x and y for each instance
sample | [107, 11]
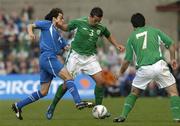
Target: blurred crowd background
[19, 55]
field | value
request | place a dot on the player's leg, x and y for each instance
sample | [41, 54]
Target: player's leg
[166, 80]
[71, 65]
[73, 89]
[61, 71]
[128, 104]
[101, 80]
[62, 89]
[92, 67]
[69, 85]
[56, 68]
[64, 74]
[17, 107]
[99, 88]
[59, 94]
[143, 76]
[174, 102]
[45, 80]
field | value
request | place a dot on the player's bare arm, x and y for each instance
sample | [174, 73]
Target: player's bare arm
[172, 56]
[112, 39]
[30, 31]
[124, 67]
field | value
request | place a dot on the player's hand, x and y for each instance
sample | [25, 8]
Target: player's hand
[120, 47]
[32, 36]
[174, 64]
[66, 48]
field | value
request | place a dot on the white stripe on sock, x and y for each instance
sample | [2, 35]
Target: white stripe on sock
[38, 94]
[71, 89]
[32, 98]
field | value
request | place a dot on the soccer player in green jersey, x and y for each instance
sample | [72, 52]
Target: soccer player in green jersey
[83, 53]
[145, 42]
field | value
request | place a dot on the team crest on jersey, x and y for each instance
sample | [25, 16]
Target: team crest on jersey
[98, 32]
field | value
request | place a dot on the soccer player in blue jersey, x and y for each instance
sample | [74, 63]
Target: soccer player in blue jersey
[51, 43]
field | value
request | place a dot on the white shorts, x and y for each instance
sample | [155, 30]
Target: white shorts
[77, 63]
[159, 72]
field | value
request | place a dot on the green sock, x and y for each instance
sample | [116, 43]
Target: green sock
[128, 105]
[99, 94]
[59, 94]
[175, 106]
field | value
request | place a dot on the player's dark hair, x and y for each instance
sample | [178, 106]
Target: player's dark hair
[96, 11]
[53, 13]
[138, 20]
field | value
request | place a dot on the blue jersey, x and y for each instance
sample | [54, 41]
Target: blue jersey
[50, 38]
[51, 43]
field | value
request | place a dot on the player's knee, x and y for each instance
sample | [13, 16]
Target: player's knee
[44, 92]
[173, 93]
[65, 75]
[68, 78]
[172, 90]
[135, 91]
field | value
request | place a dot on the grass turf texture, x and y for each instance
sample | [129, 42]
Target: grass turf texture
[147, 112]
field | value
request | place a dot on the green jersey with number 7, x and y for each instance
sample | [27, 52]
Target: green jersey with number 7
[145, 43]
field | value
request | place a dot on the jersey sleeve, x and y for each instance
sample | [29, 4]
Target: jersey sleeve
[165, 39]
[42, 24]
[72, 25]
[129, 51]
[106, 32]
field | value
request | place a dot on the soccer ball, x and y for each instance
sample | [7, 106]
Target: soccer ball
[99, 111]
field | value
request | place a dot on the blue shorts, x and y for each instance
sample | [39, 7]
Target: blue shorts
[50, 66]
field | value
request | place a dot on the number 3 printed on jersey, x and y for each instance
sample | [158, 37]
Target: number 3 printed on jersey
[92, 32]
[143, 34]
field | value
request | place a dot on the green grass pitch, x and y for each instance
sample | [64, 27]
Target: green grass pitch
[147, 112]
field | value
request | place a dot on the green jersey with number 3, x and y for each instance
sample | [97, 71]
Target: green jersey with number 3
[86, 35]
[145, 43]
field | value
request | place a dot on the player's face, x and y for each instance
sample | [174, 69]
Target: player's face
[59, 20]
[95, 20]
